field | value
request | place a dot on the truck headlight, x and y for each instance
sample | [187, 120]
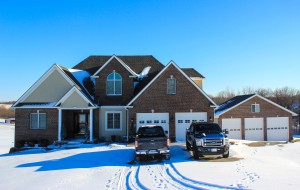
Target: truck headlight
[198, 142]
[226, 141]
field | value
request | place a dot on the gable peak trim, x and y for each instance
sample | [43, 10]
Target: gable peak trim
[162, 71]
[120, 61]
[70, 92]
[54, 67]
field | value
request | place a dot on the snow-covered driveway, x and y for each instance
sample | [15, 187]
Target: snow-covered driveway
[105, 167]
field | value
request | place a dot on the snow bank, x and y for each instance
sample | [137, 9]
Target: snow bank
[104, 166]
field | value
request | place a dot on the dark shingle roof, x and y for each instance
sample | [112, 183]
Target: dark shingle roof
[231, 103]
[81, 88]
[136, 63]
[190, 72]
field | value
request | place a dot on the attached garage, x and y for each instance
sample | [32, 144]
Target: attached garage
[254, 129]
[183, 121]
[278, 128]
[233, 125]
[161, 119]
[253, 117]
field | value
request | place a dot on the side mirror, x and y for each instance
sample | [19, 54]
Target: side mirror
[225, 131]
[187, 131]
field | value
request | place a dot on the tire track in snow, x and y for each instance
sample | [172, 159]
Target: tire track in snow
[187, 182]
[132, 179]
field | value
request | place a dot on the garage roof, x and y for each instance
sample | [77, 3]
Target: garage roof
[238, 100]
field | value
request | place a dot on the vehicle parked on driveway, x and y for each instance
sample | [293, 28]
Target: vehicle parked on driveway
[206, 139]
[151, 141]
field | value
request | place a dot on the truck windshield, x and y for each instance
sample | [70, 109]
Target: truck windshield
[151, 132]
[207, 128]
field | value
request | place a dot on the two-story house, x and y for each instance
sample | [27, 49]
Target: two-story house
[105, 96]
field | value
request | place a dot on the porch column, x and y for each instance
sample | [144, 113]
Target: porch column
[91, 125]
[59, 123]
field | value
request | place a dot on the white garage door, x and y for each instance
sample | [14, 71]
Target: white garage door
[234, 127]
[254, 129]
[278, 128]
[183, 121]
[161, 119]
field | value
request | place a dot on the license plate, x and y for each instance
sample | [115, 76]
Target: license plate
[152, 152]
[213, 150]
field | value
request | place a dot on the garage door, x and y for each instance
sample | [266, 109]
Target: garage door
[254, 129]
[161, 119]
[183, 121]
[234, 127]
[278, 128]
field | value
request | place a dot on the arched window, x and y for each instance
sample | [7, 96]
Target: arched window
[114, 84]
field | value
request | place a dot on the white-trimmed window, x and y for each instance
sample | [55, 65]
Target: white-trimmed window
[255, 108]
[171, 85]
[38, 120]
[113, 120]
[114, 84]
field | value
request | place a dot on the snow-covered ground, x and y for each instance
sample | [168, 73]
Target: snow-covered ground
[105, 167]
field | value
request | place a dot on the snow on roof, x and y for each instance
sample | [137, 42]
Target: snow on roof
[80, 75]
[38, 105]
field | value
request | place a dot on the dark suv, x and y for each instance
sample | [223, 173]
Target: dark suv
[206, 139]
[151, 141]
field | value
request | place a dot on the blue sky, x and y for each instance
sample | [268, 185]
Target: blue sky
[233, 43]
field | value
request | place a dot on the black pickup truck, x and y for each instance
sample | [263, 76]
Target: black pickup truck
[151, 141]
[206, 139]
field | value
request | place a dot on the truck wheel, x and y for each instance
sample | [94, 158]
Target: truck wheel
[195, 154]
[226, 155]
[137, 158]
[188, 146]
[167, 157]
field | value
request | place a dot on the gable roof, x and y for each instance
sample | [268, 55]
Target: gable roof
[70, 78]
[120, 61]
[53, 68]
[70, 92]
[161, 72]
[92, 64]
[192, 73]
[238, 100]
[78, 81]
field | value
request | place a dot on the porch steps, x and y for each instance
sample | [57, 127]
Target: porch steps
[74, 143]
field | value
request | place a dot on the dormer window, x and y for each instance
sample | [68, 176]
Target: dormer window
[114, 84]
[255, 108]
[171, 85]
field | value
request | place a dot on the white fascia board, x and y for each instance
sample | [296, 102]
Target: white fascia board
[275, 104]
[30, 107]
[113, 107]
[256, 95]
[54, 67]
[70, 92]
[120, 61]
[160, 73]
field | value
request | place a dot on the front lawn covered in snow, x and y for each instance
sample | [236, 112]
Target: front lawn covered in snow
[102, 166]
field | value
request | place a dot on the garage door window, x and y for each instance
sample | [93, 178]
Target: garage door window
[113, 120]
[255, 108]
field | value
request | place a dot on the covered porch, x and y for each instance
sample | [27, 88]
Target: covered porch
[76, 123]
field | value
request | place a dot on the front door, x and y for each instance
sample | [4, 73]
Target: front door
[82, 123]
